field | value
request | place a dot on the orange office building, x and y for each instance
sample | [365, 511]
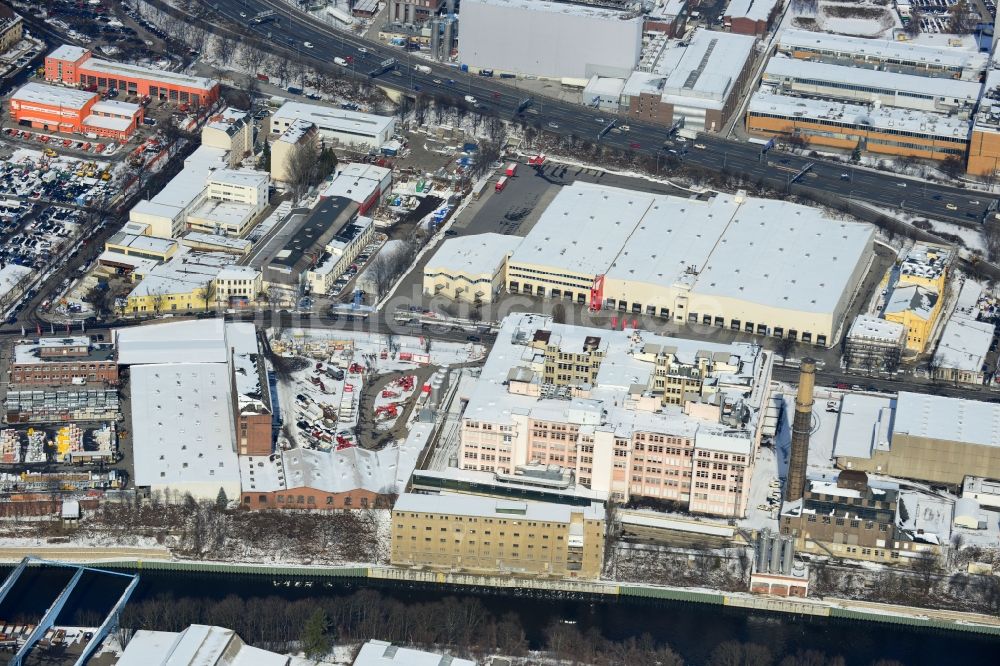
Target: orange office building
[76, 66]
[882, 131]
[55, 109]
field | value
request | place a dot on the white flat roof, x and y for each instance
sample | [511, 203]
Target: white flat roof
[669, 9]
[229, 242]
[355, 189]
[643, 82]
[675, 234]
[196, 341]
[39, 93]
[480, 254]
[707, 68]
[605, 86]
[964, 344]
[108, 122]
[756, 10]
[182, 425]
[883, 49]
[864, 422]
[952, 419]
[772, 242]
[114, 107]
[488, 507]
[368, 171]
[556, 8]
[239, 177]
[884, 118]
[186, 185]
[726, 441]
[238, 273]
[183, 273]
[583, 228]
[68, 52]
[812, 70]
[967, 304]
[139, 242]
[383, 653]
[870, 327]
[135, 71]
[225, 213]
[738, 246]
[140, 265]
[330, 119]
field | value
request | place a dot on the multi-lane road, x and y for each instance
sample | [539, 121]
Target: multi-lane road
[294, 29]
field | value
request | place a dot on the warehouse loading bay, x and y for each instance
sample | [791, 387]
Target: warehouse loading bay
[515, 210]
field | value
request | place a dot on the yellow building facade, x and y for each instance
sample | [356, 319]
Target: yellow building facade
[500, 537]
[918, 296]
[916, 308]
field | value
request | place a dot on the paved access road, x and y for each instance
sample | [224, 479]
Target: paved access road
[294, 29]
[75, 553]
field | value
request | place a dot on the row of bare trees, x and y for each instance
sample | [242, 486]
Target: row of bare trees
[209, 530]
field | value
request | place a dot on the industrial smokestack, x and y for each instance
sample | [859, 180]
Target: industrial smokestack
[449, 38]
[435, 39]
[801, 429]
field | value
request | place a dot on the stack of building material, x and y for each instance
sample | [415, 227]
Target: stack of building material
[36, 446]
[10, 446]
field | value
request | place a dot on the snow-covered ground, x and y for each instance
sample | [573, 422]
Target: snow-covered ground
[313, 341]
[397, 394]
[877, 21]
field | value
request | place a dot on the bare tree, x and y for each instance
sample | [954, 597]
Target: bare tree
[913, 28]
[224, 48]
[303, 169]
[156, 299]
[960, 21]
[209, 292]
[784, 347]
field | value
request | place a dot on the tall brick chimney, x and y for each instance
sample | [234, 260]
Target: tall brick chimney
[801, 429]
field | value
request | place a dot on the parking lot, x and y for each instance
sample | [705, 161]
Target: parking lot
[935, 14]
[32, 236]
[54, 178]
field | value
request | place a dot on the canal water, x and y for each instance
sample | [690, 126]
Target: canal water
[691, 629]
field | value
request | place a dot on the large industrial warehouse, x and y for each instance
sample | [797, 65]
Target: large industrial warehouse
[549, 39]
[755, 265]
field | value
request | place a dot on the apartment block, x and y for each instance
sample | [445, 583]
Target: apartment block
[485, 535]
[230, 130]
[874, 345]
[629, 413]
[11, 28]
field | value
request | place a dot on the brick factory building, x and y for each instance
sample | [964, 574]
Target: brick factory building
[55, 361]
